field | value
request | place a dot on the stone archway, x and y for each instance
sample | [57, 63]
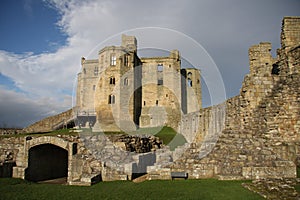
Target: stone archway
[46, 161]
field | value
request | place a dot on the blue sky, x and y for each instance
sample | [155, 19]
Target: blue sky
[42, 42]
[29, 26]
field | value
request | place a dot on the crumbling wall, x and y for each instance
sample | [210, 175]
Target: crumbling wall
[260, 137]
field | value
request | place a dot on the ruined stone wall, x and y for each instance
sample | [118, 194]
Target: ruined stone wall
[260, 137]
[9, 148]
[51, 123]
[10, 131]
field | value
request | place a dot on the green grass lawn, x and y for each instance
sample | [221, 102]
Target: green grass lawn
[182, 189]
[166, 134]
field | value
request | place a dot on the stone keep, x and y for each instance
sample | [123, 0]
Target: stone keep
[119, 90]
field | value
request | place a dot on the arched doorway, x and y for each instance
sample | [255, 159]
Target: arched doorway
[45, 162]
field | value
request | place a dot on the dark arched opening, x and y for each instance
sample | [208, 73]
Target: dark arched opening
[45, 162]
[275, 69]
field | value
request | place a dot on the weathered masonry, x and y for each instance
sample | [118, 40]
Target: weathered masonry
[251, 136]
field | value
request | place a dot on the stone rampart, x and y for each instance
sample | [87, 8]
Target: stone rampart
[51, 123]
[260, 136]
[255, 134]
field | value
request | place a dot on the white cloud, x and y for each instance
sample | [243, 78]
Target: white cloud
[18, 110]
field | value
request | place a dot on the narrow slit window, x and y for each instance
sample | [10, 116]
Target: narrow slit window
[125, 60]
[126, 81]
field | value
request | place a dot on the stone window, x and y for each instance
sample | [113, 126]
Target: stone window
[113, 59]
[125, 60]
[126, 81]
[160, 82]
[156, 102]
[144, 103]
[94, 87]
[190, 82]
[84, 71]
[96, 71]
[111, 99]
[112, 80]
[160, 67]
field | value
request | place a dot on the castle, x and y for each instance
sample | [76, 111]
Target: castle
[254, 135]
[120, 91]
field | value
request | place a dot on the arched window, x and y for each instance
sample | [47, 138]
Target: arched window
[190, 82]
[84, 71]
[126, 81]
[111, 99]
[112, 80]
[189, 74]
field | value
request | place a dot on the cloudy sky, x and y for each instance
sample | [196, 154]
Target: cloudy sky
[42, 42]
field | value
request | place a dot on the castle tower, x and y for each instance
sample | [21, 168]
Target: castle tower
[161, 99]
[86, 86]
[116, 102]
[191, 88]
